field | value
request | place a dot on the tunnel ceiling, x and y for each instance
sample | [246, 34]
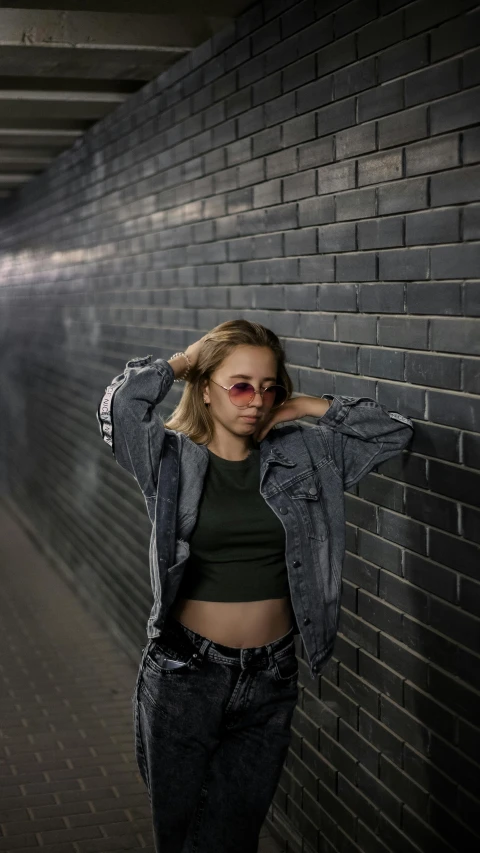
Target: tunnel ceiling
[64, 65]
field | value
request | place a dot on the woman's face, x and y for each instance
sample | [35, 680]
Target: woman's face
[256, 365]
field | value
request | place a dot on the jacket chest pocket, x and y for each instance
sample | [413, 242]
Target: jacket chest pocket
[307, 496]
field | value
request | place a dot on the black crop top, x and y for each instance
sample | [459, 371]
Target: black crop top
[237, 547]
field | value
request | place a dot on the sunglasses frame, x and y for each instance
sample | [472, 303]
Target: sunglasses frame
[229, 388]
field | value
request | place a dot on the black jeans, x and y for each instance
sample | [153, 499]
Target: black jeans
[211, 737]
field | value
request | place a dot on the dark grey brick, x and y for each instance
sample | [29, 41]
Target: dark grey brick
[459, 110]
[280, 109]
[357, 204]
[315, 95]
[356, 329]
[339, 357]
[299, 129]
[335, 116]
[280, 217]
[317, 268]
[432, 226]
[301, 297]
[336, 177]
[382, 298]
[342, 52]
[360, 267]
[456, 186]
[267, 193]
[432, 83]
[337, 238]
[428, 369]
[403, 332]
[380, 33]
[302, 241]
[404, 531]
[471, 145]
[413, 126]
[376, 168]
[301, 185]
[316, 211]
[361, 75]
[380, 233]
[301, 352]
[385, 363]
[319, 327]
[403, 263]
[355, 140]
[454, 410]
[471, 375]
[444, 297]
[432, 510]
[266, 141]
[264, 246]
[337, 297]
[471, 222]
[298, 73]
[455, 335]
[410, 194]
[432, 155]
[380, 100]
[430, 576]
[403, 58]
[472, 298]
[455, 35]
[399, 397]
[455, 261]
[281, 163]
[316, 153]
[437, 441]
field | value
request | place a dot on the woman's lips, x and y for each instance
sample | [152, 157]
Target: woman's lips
[250, 418]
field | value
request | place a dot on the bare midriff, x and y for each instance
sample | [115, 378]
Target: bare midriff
[239, 624]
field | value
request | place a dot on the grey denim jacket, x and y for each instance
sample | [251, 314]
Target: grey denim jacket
[304, 471]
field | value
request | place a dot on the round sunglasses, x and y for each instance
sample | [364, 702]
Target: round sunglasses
[242, 393]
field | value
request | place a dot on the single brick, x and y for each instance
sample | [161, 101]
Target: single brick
[443, 297]
[361, 266]
[380, 233]
[454, 410]
[432, 226]
[339, 237]
[438, 441]
[455, 186]
[337, 297]
[430, 576]
[385, 363]
[316, 152]
[413, 126]
[339, 357]
[471, 222]
[336, 177]
[403, 263]
[382, 298]
[315, 95]
[455, 335]
[376, 168]
[355, 140]
[456, 111]
[317, 268]
[428, 369]
[356, 204]
[471, 450]
[300, 185]
[356, 329]
[319, 327]
[403, 332]
[455, 261]
[432, 83]
[432, 510]
[432, 155]
[404, 531]
[380, 100]
[316, 211]
[404, 195]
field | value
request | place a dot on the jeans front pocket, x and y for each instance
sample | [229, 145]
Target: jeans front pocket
[286, 668]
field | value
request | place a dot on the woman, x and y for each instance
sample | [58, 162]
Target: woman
[260, 543]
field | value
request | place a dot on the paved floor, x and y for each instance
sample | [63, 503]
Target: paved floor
[69, 782]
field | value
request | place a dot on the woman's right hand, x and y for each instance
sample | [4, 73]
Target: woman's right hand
[193, 350]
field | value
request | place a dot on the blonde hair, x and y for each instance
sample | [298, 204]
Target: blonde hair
[191, 416]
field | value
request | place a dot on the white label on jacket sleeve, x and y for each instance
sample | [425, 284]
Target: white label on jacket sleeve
[397, 417]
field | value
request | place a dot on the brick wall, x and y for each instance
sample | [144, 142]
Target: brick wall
[315, 167]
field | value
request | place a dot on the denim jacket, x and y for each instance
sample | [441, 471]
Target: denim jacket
[304, 471]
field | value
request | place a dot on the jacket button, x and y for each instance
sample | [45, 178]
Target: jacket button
[312, 491]
[283, 509]
[296, 564]
[306, 621]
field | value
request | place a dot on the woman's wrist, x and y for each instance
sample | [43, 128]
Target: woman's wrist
[180, 364]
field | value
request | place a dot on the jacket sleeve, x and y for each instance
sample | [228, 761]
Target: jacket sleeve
[128, 423]
[363, 434]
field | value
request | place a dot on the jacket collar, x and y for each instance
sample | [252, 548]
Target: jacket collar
[269, 452]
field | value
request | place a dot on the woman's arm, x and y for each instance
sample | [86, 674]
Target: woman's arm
[127, 421]
[126, 414]
[363, 433]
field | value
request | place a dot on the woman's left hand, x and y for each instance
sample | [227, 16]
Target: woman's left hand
[295, 407]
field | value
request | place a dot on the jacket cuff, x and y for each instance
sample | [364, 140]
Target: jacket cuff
[336, 412]
[166, 368]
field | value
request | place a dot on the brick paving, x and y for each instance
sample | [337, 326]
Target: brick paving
[69, 782]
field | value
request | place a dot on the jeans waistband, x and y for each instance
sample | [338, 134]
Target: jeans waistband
[259, 656]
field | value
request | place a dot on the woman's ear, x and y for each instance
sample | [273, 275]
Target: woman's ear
[205, 392]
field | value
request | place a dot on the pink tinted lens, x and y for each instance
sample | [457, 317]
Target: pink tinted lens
[275, 395]
[242, 393]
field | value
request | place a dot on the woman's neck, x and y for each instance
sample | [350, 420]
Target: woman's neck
[231, 450]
